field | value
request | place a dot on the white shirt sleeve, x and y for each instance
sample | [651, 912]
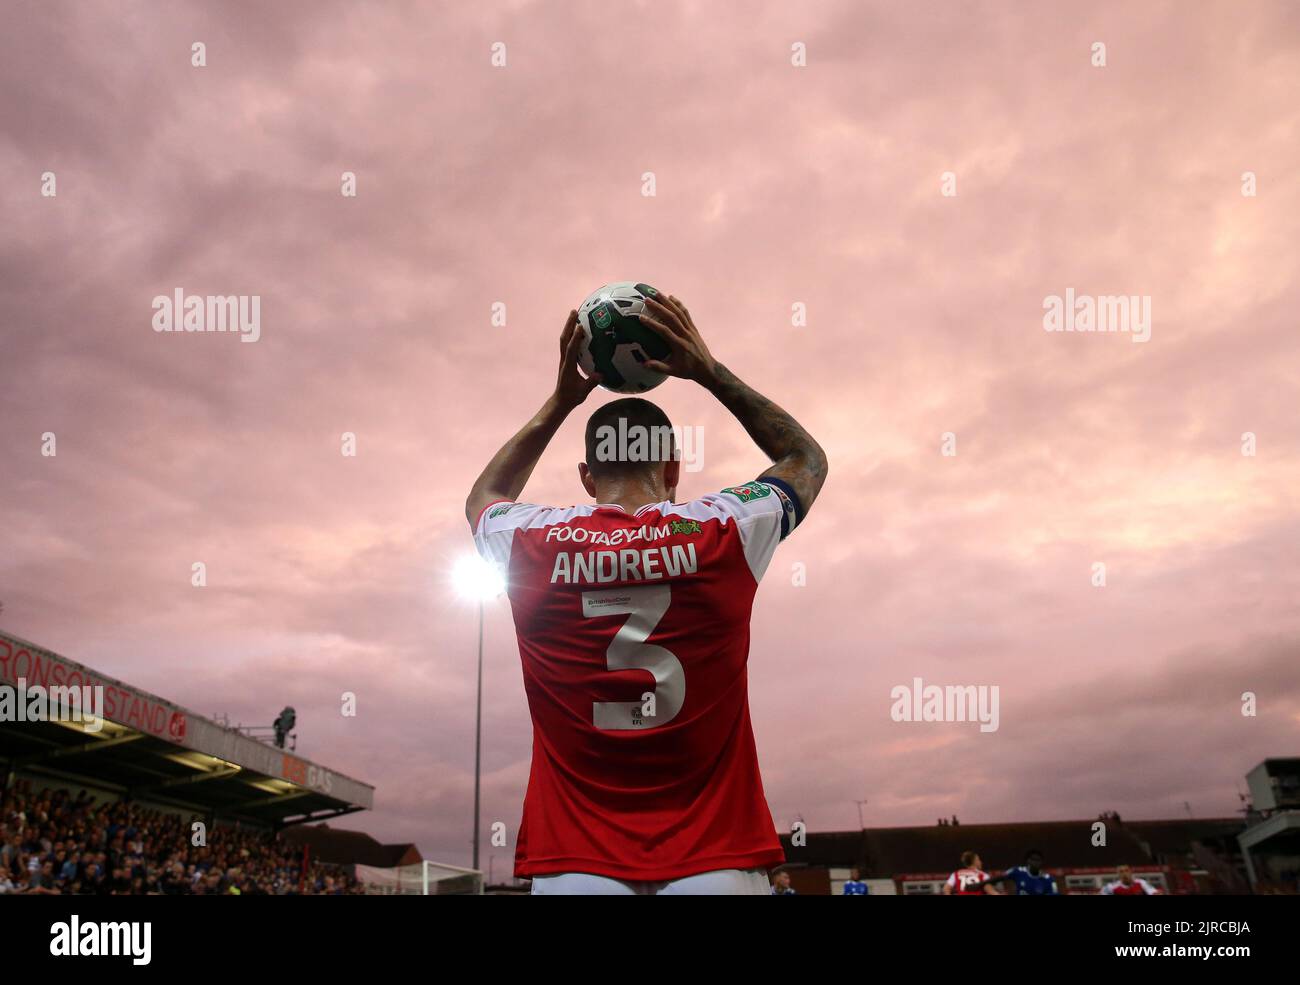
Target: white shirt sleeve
[495, 532]
[764, 516]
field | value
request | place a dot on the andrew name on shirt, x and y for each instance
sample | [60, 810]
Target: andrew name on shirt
[595, 567]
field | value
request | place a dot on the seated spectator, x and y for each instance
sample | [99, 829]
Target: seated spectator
[54, 842]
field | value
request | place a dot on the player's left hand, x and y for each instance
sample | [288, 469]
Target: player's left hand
[689, 358]
[571, 387]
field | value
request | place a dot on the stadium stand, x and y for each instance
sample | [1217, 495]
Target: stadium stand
[1271, 841]
[150, 749]
[110, 806]
[54, 841]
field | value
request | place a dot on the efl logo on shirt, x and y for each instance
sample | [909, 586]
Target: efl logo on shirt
[749, 492]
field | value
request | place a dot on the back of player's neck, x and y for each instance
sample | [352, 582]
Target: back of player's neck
[629, 498]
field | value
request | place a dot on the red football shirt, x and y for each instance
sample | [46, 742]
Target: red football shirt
[634, 636]
[968, 882]
[1138, 887]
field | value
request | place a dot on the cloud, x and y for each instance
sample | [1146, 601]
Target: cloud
[775, 185]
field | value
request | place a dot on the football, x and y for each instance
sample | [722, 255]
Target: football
[614, 343]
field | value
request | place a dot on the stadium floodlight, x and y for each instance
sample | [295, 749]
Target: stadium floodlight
[477, 580]
[480, 581]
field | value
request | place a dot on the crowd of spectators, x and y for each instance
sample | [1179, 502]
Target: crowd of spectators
[52, 841]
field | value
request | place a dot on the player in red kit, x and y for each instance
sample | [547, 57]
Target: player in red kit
[1126, 885]
[633, 623]
[970, 879]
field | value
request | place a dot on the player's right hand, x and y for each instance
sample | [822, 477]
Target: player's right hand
[688, 356]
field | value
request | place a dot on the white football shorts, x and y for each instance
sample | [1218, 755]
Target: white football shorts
[721, 882]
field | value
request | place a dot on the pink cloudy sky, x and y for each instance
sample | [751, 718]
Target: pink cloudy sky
[775, 185]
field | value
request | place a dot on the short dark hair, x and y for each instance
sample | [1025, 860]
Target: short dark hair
[1031, 853]
[623, 418]
[967, 858]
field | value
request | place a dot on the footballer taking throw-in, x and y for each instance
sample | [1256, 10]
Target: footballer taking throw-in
[633, 623]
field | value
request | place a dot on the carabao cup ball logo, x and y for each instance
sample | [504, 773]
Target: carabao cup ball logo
[615, 343]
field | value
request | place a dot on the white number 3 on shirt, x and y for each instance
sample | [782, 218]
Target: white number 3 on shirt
[645, 606]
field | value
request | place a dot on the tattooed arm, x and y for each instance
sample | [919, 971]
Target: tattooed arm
[797, 460]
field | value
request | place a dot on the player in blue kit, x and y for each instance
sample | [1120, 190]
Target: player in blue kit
[1030, 879]
[855, 886]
